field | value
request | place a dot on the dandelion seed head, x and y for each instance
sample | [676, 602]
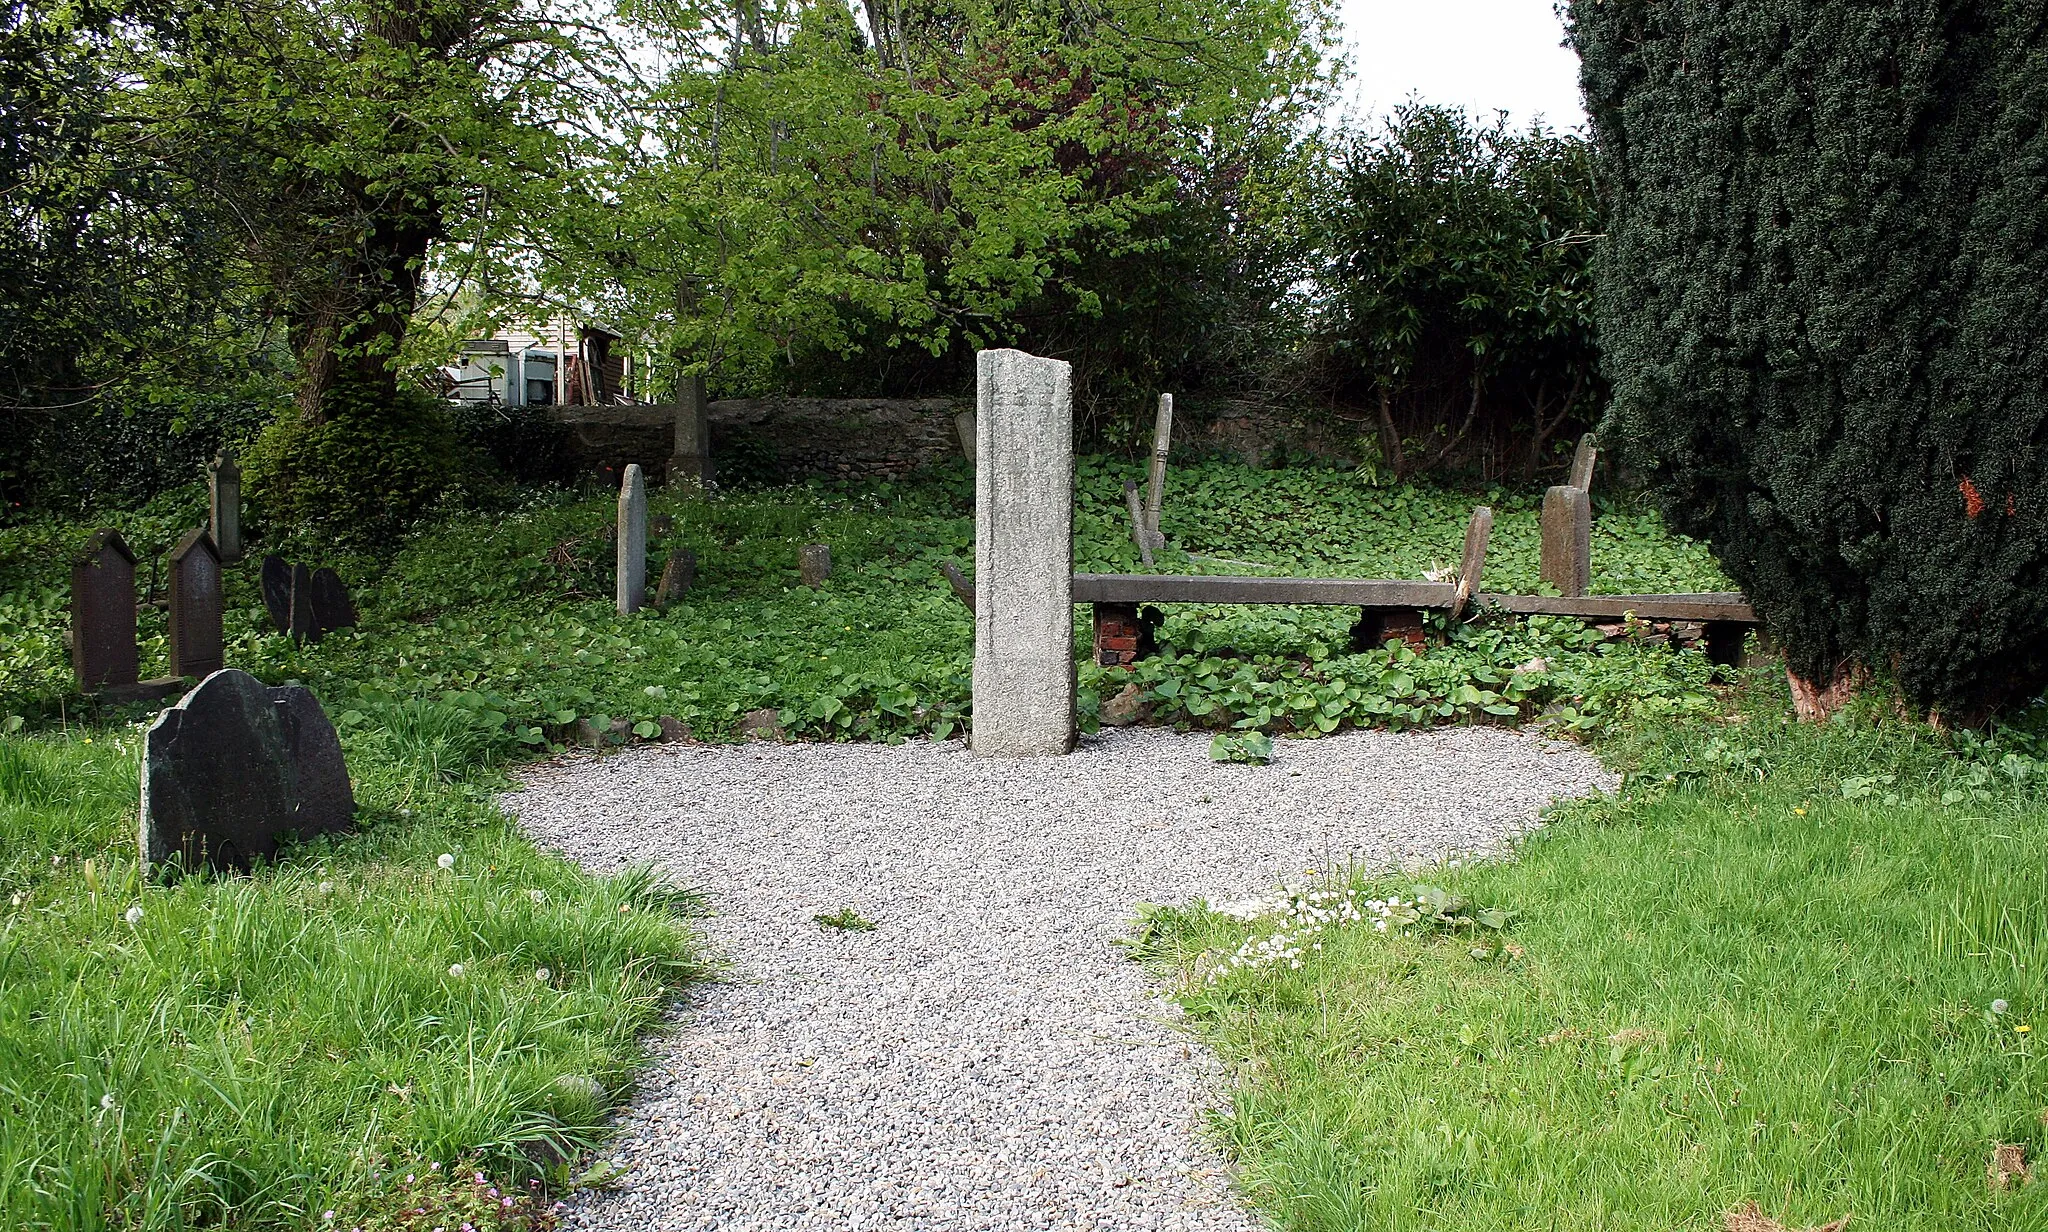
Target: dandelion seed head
[447, 859]
[133, 915]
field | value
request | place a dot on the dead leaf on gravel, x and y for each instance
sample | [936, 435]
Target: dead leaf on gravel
[2008, 1166]
[1749, 1217]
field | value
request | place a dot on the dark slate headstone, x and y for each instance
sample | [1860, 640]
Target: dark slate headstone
[235, 768]
[302, 626]
[277, 592]
[332, 608]
[103, 613]
[195, 607]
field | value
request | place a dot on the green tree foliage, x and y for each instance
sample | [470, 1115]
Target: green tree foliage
[1457, 315]
[857, 202]
[115, 277]
[1821, 304]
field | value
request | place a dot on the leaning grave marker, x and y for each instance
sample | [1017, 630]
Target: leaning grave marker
[1023, 556]
[632, 563]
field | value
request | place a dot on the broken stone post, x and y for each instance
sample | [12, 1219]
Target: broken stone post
[224, 485]
[1582, 463]
[632, 541]
[814, 564]
[103, 614]
[963, 427]
[1155, 485]
[1023, 556]
[691, 461]
[1568, 540]
[1478, 533]
[196, 649]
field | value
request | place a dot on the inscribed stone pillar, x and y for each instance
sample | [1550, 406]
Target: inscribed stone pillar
[103, 613]
[691, 461]
[632, 541]
[1023, 556]
[224, 483]
[1568, 540]
[195, 607]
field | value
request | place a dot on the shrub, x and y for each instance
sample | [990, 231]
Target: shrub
[360, 475]
[1820, 305]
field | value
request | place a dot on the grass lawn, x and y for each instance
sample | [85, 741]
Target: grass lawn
[1767, 971]
[256, 1051]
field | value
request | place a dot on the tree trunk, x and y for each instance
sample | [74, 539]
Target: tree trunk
[1817, 701]
[352, 330]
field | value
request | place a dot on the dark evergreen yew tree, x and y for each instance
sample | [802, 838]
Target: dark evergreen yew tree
[1824, 310]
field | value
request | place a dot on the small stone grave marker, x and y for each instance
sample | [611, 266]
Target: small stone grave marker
[277, 592]
[302, 625]
[332, 607]
[814, 564]
[103, 614]
[196, 649]
[1583, 461]
[678, 575]
[632, 541]
[234, 769]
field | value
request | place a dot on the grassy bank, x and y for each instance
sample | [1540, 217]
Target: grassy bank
[1799, 966]
[257, 1051]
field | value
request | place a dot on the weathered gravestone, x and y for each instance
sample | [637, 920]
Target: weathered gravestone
[103, 614]
[1472, 563]
[332, 607]
[1568, 540]
[1023, 556]
[301, 624]
[277, 592]
[632, 541]
[690, 464]
[814, 564]
[678, 575]
[195, 607]
[234, 769]
[224, 485]
[963, 427]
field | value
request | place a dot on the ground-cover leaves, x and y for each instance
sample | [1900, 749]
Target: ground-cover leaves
[503, 622]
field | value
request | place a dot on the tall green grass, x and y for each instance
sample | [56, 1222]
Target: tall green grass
[1733, 983]
[254, 1051]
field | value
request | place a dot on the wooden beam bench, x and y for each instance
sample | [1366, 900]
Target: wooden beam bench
[1387, 608]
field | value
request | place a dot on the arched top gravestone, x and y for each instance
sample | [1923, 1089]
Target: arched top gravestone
[196, 649]
[234, 769]
[103, 613]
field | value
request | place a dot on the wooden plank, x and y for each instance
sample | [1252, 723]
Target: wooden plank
[1396, 594]
[1716, 606]
[1336, 592]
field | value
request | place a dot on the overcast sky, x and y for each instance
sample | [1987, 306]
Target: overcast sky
[1482, 54]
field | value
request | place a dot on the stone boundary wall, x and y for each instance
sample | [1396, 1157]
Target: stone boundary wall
[774, 439]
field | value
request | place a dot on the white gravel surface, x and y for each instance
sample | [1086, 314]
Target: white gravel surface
[986, 1058]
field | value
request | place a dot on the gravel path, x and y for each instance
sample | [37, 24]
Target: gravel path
[986, 1058]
